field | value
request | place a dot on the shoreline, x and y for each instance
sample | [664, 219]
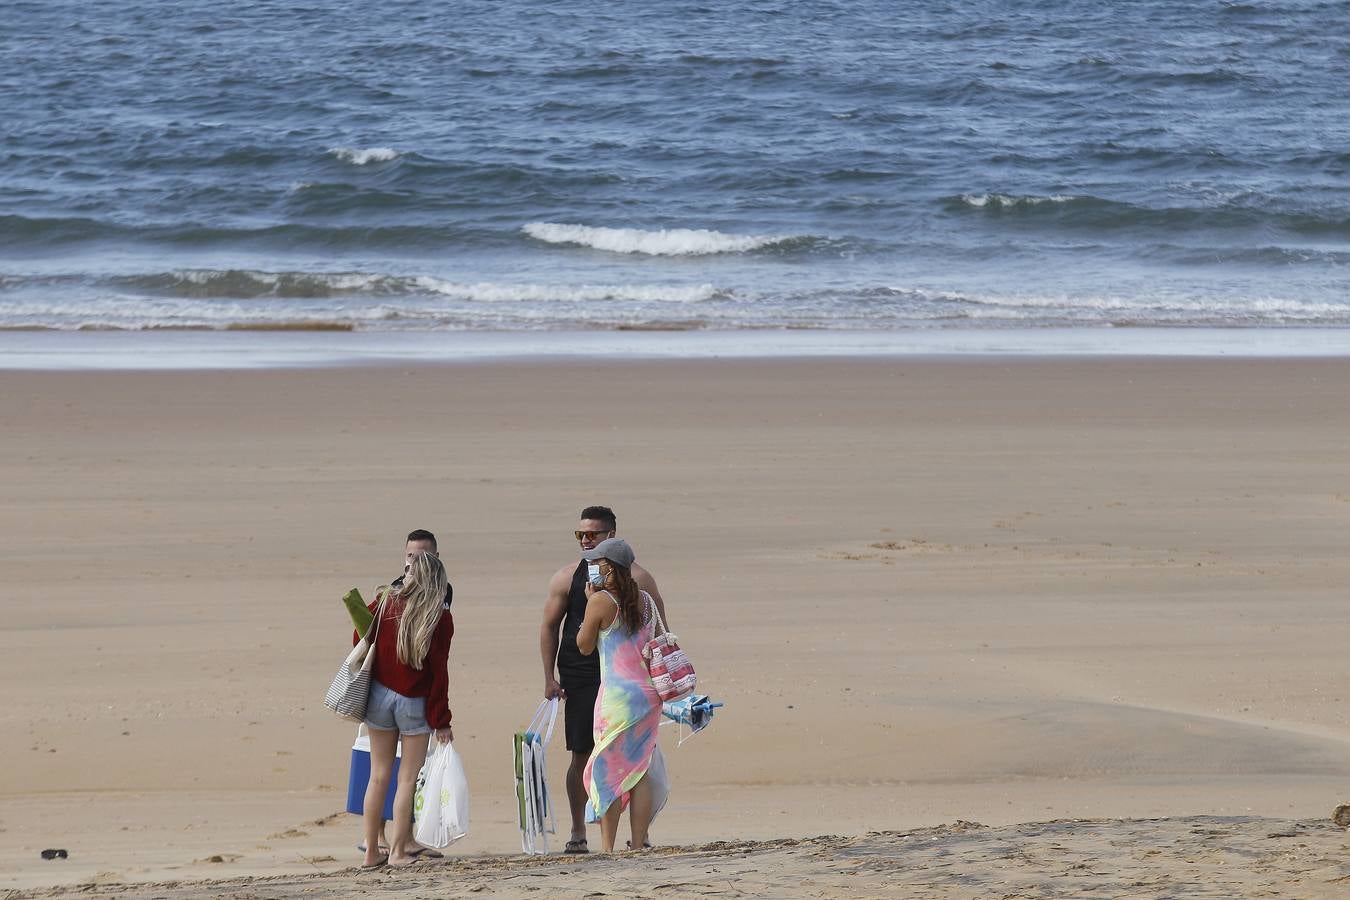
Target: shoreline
[232, 350]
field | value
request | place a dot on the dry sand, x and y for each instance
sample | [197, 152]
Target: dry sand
[994, 590]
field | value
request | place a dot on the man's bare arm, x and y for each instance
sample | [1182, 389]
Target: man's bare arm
[645, 581]
[555, 608]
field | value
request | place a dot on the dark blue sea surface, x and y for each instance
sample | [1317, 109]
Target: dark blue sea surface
[561, 165]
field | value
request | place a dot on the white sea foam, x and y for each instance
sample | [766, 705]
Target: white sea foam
[491, 292]
[669, 242]
[400, 302]
[363, 157]
[980, 201]
[1161, 307]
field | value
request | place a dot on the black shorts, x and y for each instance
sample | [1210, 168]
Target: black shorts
[579, 715]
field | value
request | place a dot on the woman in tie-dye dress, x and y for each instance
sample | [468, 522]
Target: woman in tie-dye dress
[626, 770]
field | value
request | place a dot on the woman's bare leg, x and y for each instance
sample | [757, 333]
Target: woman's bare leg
[382, 746]
[640, 811]
[609, 826]
[414, 754]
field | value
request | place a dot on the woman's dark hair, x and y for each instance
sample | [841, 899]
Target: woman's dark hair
[620, 583]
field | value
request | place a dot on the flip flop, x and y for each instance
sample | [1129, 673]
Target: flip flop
[380, 864]
[362, 847]
[412, 861]
[426, 853]
[646, 845]
[577, 846]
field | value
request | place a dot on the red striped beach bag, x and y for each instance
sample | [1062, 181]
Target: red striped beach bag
[671, 671]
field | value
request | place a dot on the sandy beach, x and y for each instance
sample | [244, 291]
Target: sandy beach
[928, 590]
[1082, 858]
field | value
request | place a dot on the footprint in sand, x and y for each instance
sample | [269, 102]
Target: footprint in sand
[288, 833]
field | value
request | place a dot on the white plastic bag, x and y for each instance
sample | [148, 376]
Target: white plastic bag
[441, 804]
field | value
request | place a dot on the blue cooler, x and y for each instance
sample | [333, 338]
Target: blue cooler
[360, 775]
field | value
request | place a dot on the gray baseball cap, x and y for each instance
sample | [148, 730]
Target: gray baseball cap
[616, 550]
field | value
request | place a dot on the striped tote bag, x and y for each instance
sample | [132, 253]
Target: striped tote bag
[350, 691]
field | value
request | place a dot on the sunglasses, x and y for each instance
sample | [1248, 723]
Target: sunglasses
[592, 535]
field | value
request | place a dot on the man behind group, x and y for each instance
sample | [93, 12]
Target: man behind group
[577, 678]
[421, 541]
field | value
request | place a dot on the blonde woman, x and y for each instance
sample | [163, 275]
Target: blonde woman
[626, 769]
[408, 697]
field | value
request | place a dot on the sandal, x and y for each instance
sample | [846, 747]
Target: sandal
[426, 853]
[577, 845]
[378, 864]
[646, 845]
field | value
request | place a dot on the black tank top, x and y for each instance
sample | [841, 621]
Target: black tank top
[572, 665]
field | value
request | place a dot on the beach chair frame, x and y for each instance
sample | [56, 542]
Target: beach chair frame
[534, 803]
[693, 711]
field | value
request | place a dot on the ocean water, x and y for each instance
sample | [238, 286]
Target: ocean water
[523, 166]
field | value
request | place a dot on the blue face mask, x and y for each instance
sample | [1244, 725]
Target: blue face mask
[594, 576]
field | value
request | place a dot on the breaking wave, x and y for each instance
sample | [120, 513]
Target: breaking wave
[364, 157]
[1007, 201]
[205, 284]
[667, 242]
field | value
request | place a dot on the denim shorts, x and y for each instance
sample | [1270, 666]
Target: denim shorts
[390, 711]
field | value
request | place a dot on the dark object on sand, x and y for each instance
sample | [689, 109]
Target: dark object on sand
[1342, 815]
[54, 854]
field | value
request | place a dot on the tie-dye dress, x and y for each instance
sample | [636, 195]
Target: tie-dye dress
[627, 715]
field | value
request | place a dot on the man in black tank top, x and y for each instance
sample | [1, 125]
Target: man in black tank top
[570, 674]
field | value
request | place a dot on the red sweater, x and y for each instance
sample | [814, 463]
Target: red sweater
[432, 680]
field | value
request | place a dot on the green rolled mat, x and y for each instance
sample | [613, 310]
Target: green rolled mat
[356, 608]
